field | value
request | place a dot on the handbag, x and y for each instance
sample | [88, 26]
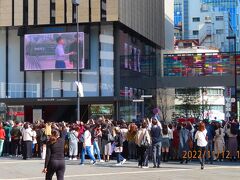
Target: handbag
[118, 149]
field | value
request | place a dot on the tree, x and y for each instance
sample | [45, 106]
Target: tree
[165, 101]
[188, 102]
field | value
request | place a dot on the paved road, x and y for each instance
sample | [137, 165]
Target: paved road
[31, 170]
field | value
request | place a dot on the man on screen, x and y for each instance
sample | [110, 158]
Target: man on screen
[73, 48]
[60, 54]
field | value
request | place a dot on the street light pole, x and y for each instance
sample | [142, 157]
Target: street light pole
[76, 4]
[235, 73]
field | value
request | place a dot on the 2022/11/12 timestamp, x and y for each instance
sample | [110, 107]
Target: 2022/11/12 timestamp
[197, 154]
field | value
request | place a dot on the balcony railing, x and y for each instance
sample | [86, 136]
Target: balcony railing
[16, 90]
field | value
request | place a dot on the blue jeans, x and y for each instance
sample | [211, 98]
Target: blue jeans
[119, 157]
[209, 152]
[87, 150]
[96, 149]
[202, 155]
[1, 146]
[157, 153]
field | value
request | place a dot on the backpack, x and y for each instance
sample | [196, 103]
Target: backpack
[234, 129]
[144, 142]
[43, 136]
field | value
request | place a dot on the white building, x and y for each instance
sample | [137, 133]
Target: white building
[210, 100]
[209, 27]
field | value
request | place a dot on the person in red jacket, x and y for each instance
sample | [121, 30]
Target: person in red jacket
[2, 138]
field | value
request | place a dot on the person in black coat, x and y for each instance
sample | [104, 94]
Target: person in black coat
[55, 162]
[118, 141]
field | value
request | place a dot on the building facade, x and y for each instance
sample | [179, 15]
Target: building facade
[183, 10]
[120, 39]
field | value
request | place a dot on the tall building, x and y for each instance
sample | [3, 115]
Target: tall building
[178, 8]
[201, 22]
[182, 9]
[231, 6]
[226, 5]
[118, 39]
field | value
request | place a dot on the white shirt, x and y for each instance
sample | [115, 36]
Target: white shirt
[59, 52]
[87, 138]
[34, 135]
[124, 133]
[27, 134]
[201, 138]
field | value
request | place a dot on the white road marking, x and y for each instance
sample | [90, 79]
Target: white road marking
[131, 172]
[20, 161]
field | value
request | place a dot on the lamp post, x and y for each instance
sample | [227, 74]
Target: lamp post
[76, 4]
[235, 72]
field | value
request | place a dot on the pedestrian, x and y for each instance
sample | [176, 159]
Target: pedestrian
[156, 134]
[210, 134]
[97, 134]
[27, 138]
[87, 146]
[219, 144]
[201, 137]
[165, 142]
[2, 138]
[183, 145]
[143, 141]
[107, 139]
[7, 141]
[16, 135]
[73, 143]
[131, 136]
[124, 131]
[55, 162]
[232, 133]
[118, 142]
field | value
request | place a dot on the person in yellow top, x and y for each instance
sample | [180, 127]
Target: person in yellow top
[48, 129]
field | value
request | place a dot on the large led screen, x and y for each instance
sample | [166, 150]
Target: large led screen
[53, 51]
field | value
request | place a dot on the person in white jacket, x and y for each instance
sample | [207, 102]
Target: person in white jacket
[27, 140]
[201, 137]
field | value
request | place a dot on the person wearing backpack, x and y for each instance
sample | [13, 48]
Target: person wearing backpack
[156, 134]
[232, 133]
[143, 141]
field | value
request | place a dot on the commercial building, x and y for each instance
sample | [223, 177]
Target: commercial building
[119, 42]
[222, 19]
[203, 23]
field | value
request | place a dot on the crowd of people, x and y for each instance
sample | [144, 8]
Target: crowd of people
[104, 140]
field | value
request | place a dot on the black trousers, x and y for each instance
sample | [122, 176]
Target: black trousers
[16, 147]
[27, 149]
[142, 156]
[56, 166]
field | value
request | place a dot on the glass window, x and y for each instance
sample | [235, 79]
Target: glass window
[195, 32]
[219, 31]
[196, 19]
[219, 18]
